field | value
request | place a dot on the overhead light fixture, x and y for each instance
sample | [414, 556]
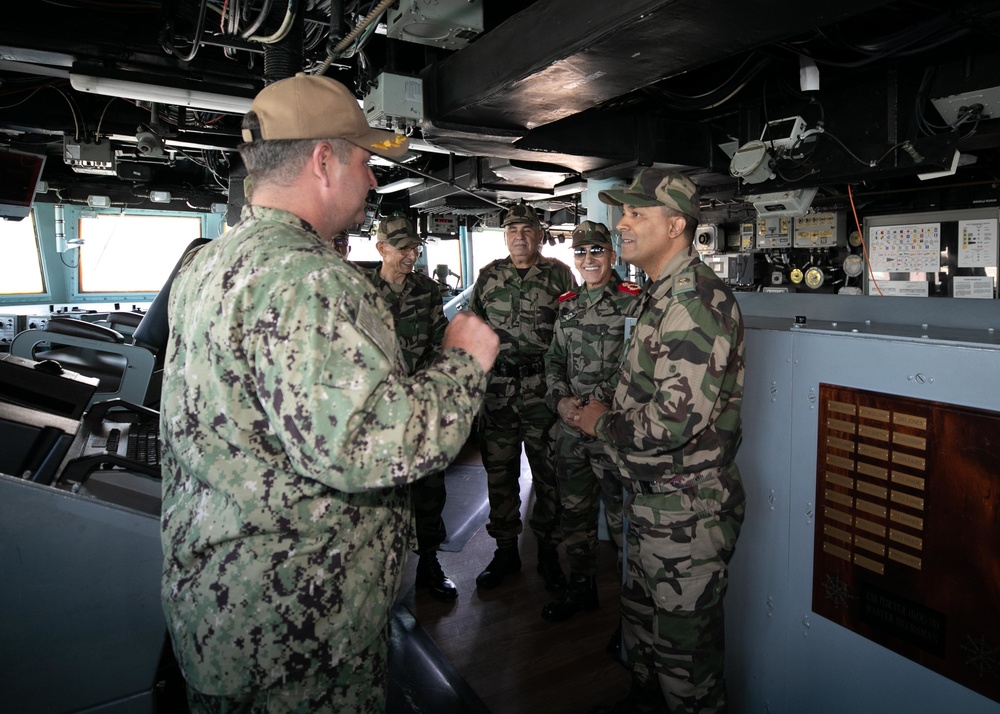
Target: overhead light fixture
[409, 182]
[159, 196]
[950, 171]
[142, 92]
[220, 207]
[99, 201]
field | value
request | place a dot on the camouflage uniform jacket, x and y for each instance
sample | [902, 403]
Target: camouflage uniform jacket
[522, 311]
[676, 410]
[288, 429]
[585, 354]
[418, 312]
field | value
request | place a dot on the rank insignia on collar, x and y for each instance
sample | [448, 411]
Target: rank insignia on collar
[568, 295]
[629, 287]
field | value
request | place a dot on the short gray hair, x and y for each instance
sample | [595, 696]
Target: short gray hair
[279, 161]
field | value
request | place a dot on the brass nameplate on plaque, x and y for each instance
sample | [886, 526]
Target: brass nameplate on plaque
[908, 480]
[906, 539]
[877, 414]
[840, 425]
[905, 554]
[873, 451]
[907, 519]
[839, 461]
[917, 422]
[917, 442]
[842, 408]
[872, 490]
[873, 508]
[838, 480]
[834, 515]
[867, 525]
[873, 470]
[873, 432]
[902, 459]
[845, 444]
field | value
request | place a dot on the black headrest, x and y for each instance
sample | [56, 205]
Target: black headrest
[154, 328]
[78, 328]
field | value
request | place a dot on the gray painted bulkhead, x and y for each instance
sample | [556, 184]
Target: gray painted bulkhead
[781, 657]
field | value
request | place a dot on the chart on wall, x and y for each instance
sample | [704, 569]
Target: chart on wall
[907, 528]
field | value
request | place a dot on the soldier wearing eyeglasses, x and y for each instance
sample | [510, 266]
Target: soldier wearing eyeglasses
[517, 296]
[416, 305]
[582, 364]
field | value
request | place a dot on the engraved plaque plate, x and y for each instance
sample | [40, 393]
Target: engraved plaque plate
[906, 543]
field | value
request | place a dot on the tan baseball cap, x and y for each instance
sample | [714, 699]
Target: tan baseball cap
[308, 106]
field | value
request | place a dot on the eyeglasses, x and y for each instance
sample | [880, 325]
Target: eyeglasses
[415, 249]
[594, 250]
[341, 242]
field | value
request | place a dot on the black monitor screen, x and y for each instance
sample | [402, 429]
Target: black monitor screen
[19, 175]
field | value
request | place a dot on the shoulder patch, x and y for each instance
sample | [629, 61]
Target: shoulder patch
[684, 283]
[629, 287]
[568, 295]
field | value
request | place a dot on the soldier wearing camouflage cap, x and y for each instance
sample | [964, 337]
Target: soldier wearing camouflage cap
[674, 424]
[291, 428]
[517, 296]
[418, 316]
[582, 364]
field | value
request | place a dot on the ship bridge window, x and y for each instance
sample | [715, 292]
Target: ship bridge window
[127, 253]
[21, 266]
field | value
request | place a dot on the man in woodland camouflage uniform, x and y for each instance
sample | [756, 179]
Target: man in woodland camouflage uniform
[517, 297]
[582, 364]
[675, 426]
[291, 428]
[418, 314]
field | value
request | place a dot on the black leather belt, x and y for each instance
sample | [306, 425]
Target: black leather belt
[517, 369]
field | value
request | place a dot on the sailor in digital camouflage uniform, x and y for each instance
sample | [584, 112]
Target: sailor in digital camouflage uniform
[291, 429]
[517, 296]
[418, 315]
[582, 363]
[675, 426]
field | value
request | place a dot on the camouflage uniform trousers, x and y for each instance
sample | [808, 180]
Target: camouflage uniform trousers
[428, 496]
[679, 546]
[586, 474]
[514, 411]
[359, 685]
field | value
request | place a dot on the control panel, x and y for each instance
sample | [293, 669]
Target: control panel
[36, 322]
[774, 232]
[820, 230]
[8, 328]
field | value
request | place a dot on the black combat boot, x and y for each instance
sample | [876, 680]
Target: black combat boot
[506, 561]
[548, 568]
[614, 647]
[431, 576]
[580, 595]
[641, 699]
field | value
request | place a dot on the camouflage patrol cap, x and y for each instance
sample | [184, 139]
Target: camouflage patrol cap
[309, 106]
[658, 187]
[591, 233]
[397, 231]
[520, 213]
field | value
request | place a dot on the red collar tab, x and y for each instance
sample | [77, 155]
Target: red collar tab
[628, 287]
[568, 295]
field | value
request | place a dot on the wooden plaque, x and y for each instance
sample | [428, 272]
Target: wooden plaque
[907, 546]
